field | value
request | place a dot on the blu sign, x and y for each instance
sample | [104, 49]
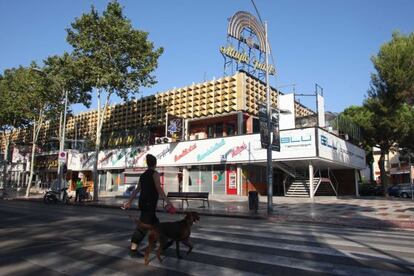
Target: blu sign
[325, 142]
[293, 141]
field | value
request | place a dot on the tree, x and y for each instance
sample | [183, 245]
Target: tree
[117, 58]
[37, 101]
[391, 95]
[65, 74]
[394, 65]
[12, 114]
[382, 126]
[391, 123]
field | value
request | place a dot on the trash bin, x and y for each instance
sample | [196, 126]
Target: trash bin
[253, 200]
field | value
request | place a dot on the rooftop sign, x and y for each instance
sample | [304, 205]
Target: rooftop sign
[249, 36]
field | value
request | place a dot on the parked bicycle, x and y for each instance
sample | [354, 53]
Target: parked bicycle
[84, 195]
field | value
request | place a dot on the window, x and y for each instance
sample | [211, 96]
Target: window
[256, 125]
[219, 130]
[230, 129]
[210, 131]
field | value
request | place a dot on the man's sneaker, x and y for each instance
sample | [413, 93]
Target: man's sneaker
[135, 254]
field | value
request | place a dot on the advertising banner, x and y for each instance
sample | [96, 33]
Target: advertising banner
[287, 119]
[275, 130]
[294, 144]
[321, 110]
[334, 148]
[264, 131]
[174, 127]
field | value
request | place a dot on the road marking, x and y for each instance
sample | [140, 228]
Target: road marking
[185, 266]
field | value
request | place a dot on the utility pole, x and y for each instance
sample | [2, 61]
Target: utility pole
[62, 143]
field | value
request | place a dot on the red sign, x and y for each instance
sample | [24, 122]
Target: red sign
[231, 182]
[185, 152]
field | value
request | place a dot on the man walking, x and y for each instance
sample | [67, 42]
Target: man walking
[150, 188]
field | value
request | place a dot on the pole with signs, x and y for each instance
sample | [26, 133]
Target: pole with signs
[61, 177]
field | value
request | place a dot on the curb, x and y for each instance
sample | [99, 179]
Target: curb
[396, 225]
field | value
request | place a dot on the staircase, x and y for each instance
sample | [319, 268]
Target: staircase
[300, 187]
[289, 170]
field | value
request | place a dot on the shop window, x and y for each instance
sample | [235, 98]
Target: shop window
[200, 179]
[219, 179]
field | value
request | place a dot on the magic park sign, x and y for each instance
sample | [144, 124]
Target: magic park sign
[249, 37]
[244, 58]
[127, 138]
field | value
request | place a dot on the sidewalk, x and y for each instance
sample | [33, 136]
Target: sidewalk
[375, 212]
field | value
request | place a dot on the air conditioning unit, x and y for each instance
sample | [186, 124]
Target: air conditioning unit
[162, 140]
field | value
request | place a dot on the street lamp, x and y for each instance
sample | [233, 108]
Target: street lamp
[269, 167]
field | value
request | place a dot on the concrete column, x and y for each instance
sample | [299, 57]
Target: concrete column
[356, 183]
[311, 180]
[185, 179]
[186, 130]
[239, 179]
[240, 123]
[109, 180]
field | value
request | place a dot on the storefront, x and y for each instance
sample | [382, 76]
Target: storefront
[231, 165]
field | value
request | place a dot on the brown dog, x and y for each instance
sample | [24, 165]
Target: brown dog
[178, 231]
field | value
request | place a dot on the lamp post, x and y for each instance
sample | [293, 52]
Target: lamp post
[269, 167]
[62, 141]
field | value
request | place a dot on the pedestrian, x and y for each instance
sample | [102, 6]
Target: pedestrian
[180, 180]
[79, 190]
[149, 187]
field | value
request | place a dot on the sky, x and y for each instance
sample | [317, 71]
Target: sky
[328, 42]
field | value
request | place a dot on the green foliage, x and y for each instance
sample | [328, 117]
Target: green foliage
[387, 116]
[65, 73]
[362, 117]
[394, 65]
[12, 107]
[27, 94]
[116, 57]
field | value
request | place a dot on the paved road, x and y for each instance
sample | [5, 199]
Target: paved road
[38, 239]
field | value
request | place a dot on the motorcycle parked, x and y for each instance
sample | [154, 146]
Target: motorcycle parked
[54, 197]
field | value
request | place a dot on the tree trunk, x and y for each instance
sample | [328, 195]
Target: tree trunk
[6, 157]
[101, 114]
[36, 130]
[383, 175]
[371, 172]
[29, 184]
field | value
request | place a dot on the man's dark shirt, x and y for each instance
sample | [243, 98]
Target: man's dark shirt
[148, 197]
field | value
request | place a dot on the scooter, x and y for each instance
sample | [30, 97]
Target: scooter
[54, 197]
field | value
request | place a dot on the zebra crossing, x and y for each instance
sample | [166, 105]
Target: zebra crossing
[63, 241]
[254, 249]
